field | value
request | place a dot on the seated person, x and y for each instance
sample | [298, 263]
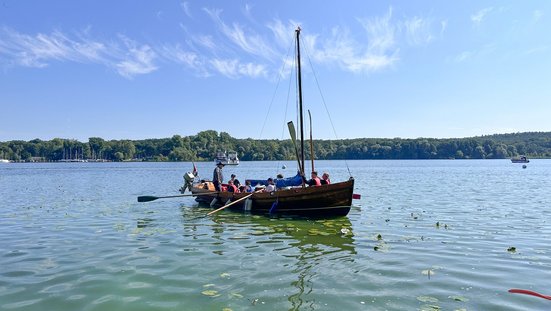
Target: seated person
[247, 187]
[315, 180]
[235, 180]
[232, 187]
[325, 179]
[271, 186]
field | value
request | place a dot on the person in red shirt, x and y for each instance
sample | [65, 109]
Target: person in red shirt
[315, 180]
[232, 187]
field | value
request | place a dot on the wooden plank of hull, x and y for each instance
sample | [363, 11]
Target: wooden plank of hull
[322, 201]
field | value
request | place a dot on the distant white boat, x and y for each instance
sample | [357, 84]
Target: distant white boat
[72, 160]
[4, 161]
[229, 158]
[521, 159]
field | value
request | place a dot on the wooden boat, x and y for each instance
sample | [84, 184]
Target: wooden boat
[323, 201]
[521, 159]
[317, 202]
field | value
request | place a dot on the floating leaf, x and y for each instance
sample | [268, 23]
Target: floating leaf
[428, 272]
[227, 309]
[236, 295]
[429, 308]
[427, 299]
[458, 298]
[208, 285]
[210, 293]
[224, 275]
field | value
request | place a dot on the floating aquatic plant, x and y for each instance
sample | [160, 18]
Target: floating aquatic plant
[458, 298]
[429, 308]
[427, 299]
[210, 293]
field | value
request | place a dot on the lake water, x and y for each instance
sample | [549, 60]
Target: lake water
[426, 235]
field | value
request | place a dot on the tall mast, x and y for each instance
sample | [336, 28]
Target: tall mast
[300, 101]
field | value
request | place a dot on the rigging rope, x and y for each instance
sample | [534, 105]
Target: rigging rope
[323, 100]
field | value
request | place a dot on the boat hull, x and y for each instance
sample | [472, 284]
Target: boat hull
[317, 202]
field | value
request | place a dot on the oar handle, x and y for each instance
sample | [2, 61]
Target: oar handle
[148, 198]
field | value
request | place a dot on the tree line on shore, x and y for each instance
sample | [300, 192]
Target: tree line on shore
[205, 145]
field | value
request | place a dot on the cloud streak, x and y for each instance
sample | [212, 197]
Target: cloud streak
[478, 17]
[230, 49]
[41, 50]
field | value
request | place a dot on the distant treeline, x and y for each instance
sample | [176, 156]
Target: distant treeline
[204, 145]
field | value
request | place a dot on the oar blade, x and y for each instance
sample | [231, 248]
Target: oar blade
[146, 198]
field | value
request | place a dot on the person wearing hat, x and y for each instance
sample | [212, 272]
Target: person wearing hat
[217, 176]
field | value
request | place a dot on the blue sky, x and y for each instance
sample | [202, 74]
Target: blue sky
[153, 69]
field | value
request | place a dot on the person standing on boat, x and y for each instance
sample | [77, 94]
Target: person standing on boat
[217, 176]
[325, 179]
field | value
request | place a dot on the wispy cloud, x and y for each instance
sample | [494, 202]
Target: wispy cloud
[186, 8]
[138, 59]
[537, 15]
[381, 51]
[418, 31]
[234, 69]
[41, 50]
[228, 48]
[248, 42]
[478, 17]
[177, 54]
[463, 56]
[443, 27]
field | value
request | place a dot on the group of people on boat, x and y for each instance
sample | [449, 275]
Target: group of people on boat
[233, 184]
[316, 181]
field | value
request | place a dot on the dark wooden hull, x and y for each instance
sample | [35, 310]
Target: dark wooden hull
[317, 202]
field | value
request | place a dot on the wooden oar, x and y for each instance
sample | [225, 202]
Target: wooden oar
[528, 292]
[293, 134]
[232, 203]
[147, 198]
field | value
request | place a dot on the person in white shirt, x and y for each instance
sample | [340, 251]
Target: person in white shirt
[271, 186]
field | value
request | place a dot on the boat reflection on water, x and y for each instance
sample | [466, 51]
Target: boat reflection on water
[305, 246]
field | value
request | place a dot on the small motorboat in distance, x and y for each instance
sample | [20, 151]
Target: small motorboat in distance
[521, 159]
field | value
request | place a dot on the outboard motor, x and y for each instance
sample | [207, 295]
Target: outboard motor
[188, 182]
